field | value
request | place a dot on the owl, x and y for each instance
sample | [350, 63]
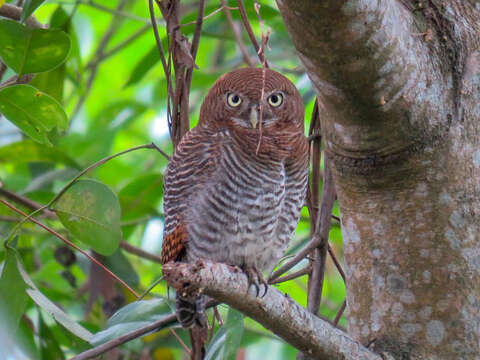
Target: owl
[236, 183]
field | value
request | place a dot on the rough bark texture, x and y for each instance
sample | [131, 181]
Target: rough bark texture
[275, 310]
[399, 82]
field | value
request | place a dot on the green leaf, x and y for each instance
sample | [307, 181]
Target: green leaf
[25, 341]
[33, 111]
[13, 298]
[131, 317]
[119, 265]
[28, 50]
[30, 151]
[52, 82]
[91, 212]
[57, 313]
[143, 66]
[29, 7]
[139, 197]
[49, 347]
[225, 343]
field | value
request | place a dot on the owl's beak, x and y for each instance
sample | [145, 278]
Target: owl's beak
[254, 116]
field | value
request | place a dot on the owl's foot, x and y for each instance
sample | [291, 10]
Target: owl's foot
[255, 278]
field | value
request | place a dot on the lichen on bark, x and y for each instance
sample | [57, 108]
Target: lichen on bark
[399, 83]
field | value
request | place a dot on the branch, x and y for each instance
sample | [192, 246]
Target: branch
[114, 12]
[109, 345]
[155, 326]
[14, 12]
[26, 202]
[322, 228]
[237, 35]
[275, 311]
[306, 270]
[118, 47]
[140, 252]
[251, 35]
[99, 51]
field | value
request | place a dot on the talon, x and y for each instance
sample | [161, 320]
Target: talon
[255, 278]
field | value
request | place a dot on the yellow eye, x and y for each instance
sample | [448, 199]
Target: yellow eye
[275, 99]
[233, 100]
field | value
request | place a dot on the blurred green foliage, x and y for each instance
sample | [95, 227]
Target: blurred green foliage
[99, 89]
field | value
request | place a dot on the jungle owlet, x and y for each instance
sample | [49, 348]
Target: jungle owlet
[234, 187]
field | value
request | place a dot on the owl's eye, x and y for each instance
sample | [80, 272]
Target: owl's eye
[275, 99]
[233, 100]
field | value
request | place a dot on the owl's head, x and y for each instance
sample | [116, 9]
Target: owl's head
[236, 97]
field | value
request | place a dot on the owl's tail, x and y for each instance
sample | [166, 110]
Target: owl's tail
[191, 314]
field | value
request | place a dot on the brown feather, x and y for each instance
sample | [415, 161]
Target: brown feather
[174, 244]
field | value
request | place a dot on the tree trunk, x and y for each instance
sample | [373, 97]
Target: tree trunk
[399, 83]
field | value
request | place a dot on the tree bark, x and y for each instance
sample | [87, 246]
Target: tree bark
[399, 83]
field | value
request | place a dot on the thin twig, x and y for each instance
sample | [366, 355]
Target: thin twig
[184, 346]
[14, 12]
[265, 36]
[340, 313]
[306, 270]
[83, 172]
[24, 79]
[101, 349]
[223, 7]
[150, 288]
[166, 68]
[194, 47]
[19, 199]
[136, 221]
[9, 218]
[112, 27]
[140, 252]
[103, 161]
[68, 242]
[312, 244]
[104, 9]
[119, 47]
[322, 228]
[155, 326]
[335, 261]
[248, 28]
[236, 34]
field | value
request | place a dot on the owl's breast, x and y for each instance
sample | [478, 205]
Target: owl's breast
[235, 220]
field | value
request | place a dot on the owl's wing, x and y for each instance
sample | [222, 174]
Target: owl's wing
[296, 180]
[189, 170]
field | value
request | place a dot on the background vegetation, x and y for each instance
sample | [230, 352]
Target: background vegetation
[98, 90]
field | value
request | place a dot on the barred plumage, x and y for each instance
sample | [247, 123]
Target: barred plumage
[227, 198]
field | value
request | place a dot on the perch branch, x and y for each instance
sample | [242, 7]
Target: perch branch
[275, 310]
